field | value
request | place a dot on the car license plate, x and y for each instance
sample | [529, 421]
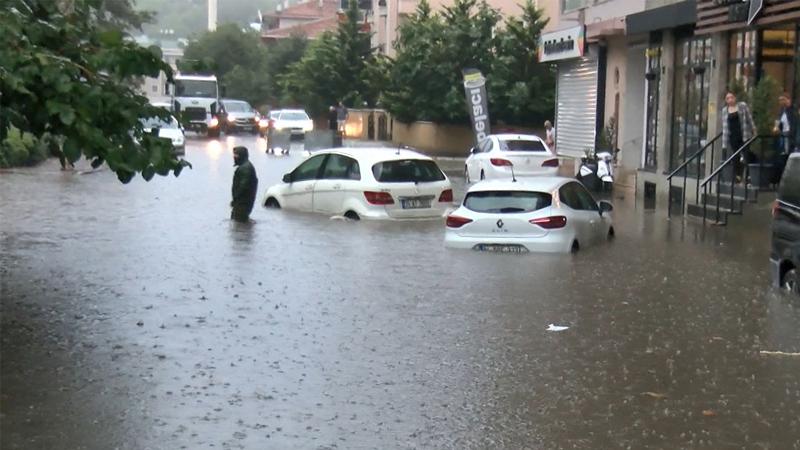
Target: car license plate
[501, 248]
[415, 203]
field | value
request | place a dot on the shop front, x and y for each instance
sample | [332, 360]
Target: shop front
[576, 88]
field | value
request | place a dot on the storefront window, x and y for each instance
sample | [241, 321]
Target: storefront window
[653, 90]
[690, 102]
[742, 60]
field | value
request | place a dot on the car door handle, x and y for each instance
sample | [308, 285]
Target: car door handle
[337, 186]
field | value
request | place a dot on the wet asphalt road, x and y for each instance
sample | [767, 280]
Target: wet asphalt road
[139, 317]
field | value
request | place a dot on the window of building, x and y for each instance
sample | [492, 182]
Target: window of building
[742, 60]
[653, 91]
[690, 103]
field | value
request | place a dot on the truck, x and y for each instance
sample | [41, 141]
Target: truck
[196, 101]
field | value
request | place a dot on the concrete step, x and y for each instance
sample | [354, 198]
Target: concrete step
[737, 204]
[696, 211]
[751, 192]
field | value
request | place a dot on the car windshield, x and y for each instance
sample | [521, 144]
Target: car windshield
[237, 107]
[407, 171]
[196, 88]
[155, 122]
[294, 115]
[522, 145]
[506, 202]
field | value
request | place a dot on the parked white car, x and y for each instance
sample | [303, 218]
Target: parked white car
[496, 156]
[167, 129]
[294, 120]
[365, 183]
[544, 214]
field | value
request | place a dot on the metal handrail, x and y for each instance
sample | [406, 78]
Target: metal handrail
[683, 167]
[716, 174]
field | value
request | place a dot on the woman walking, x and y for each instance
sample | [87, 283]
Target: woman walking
[550, 135]
[737, 128]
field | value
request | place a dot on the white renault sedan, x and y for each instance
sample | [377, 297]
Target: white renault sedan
[365, 183]
[499, 154]
[546, 214]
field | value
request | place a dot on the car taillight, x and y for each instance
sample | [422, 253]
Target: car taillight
[379, 198]
[776, 209]
[550, 222]
[500, 162]
[457, 221]
[447, 196]
[550, 163]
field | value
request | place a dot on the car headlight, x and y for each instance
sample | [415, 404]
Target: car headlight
[308, 127]
[263, 123]
[231, 119]
[213, 123]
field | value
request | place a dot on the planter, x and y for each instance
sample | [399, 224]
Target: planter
[761, 176]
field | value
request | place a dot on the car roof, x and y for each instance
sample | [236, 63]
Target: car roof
[515, 136]
[230, 100]
[536, 184]
[289, 111]
[374, 155]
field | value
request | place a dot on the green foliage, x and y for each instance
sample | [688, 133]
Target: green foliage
[21, 149]
[425, 79]
[65, 77]
[247, 69]
[522, 89]
[335, 67]
[763, 102]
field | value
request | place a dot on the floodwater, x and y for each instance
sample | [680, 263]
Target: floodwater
[138, 317]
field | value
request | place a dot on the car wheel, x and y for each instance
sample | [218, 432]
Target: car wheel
[352, 215]
[272, 203]
[791, 282]
[483, 175]
[466, 174]
[575, 247]
[611, 233]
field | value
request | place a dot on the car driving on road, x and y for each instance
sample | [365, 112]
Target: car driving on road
[498, 155]
[168, 129]
[240, 116]
[785, 255]
[365, 183]
[545, 214]
[295, 121]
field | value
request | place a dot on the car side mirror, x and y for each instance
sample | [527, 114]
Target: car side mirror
[287, 178]
[473, 150]
[605, 207]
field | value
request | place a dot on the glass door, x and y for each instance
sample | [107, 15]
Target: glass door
[690, 101]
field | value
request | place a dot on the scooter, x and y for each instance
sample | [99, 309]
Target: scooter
[596, 172]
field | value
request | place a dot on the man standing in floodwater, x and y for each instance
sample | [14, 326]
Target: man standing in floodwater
[245, 184]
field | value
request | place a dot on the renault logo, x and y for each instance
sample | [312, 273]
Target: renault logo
[500, 223]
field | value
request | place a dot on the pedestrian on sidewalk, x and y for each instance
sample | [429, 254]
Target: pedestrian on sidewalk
[737, 128]
[245, 185]
[785, 125]
[341, 116]
[550, 135]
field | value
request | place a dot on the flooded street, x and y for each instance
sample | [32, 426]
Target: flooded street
[139, 317]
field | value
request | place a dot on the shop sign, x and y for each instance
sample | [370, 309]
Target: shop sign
[755, 8]
[738, 12]
[477, 103]
[562, 44]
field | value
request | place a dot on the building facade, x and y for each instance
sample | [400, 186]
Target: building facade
[696, 51]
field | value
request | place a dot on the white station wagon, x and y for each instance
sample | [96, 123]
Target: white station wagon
[365, 183]
[545, 214]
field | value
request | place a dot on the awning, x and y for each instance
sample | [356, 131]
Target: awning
[666, 17]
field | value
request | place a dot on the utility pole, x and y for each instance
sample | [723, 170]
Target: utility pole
[212, 15]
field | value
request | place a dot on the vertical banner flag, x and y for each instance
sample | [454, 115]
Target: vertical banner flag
[477, 102]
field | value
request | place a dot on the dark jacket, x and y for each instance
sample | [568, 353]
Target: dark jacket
[245, 185]
[792, 132]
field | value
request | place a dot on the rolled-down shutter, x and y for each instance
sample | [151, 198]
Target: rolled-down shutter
[577, 105]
